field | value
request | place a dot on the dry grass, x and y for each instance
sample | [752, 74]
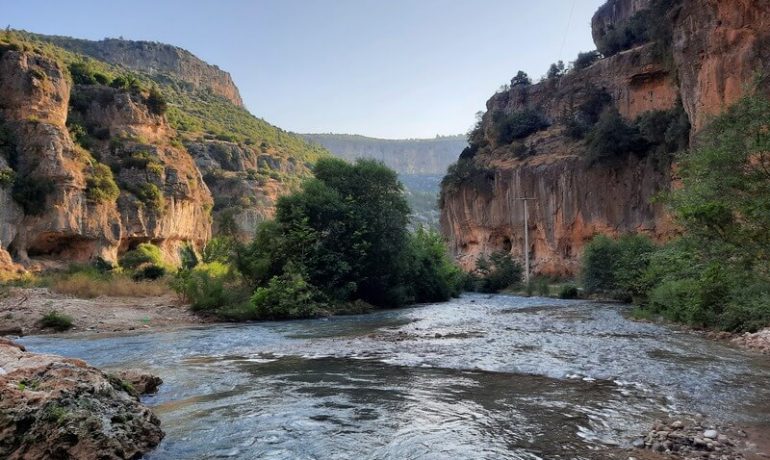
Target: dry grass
[88, 287]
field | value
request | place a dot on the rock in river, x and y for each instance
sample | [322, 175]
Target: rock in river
[55, 407]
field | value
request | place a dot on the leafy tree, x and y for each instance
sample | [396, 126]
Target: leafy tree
[556, 70]
[497, 272]
[613, 138]
[521, 79]
[518, 125]
[144, 253]
[587, 59]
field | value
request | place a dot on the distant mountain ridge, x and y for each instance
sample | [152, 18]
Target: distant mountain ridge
[406, 156]
[155, 59]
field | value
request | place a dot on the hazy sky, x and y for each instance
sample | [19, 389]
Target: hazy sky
[385, 68]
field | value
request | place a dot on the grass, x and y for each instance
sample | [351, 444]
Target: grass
[56, 321]
[88, 286]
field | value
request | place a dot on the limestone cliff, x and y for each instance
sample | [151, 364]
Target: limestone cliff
[53, 209]
[140, 142]
[704, 57]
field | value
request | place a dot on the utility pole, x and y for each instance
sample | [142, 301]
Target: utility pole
[526, 238]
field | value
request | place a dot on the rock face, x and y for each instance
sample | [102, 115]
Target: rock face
[53, 209]
[155, 58]
[54, 407]
[717, 48]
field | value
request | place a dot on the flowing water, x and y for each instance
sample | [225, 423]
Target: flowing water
[481, 377]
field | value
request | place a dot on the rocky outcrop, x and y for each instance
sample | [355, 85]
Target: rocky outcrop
[155, 59]
[54, 407]
[567, 211]
[718, 48]
[53, 208]
[245, 183]
[721, 48]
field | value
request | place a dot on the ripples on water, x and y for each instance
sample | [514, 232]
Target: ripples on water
[480, 378]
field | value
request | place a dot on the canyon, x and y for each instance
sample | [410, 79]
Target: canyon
[167, 129]
[711, 57]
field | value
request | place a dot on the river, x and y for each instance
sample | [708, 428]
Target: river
[480, 377]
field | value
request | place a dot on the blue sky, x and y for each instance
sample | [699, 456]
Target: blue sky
[387, 68]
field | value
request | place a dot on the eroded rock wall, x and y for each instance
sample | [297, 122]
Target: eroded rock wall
[58, 219]
[718, 49]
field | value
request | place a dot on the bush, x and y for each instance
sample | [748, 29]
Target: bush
[569, 291]
[150, 195]
[521, 79]
[499, 271]
[556, 70]
[188, 257]
[7, 177]
[208, 287]
[31, 193]
[517, 125]
[613, 138]
[219, 249]
[149, 272]
[100, 185]
[145, 253]
[467, 172]
[56, 321]
[585, 60]
[287, 296]
[156, 102]
[433, 276]
[617, 267]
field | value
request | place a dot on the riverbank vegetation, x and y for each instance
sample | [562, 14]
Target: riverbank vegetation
[340, 244]
[717, 273]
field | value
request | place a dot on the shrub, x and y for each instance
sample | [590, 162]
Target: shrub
[521, 79]
[585, 60]
[616, 267]
[517, 125]
[497, 272]
[150, 195]
[56, 321]
[556, 70]
[568, 291]
[7, 177]
[287, 296]
[156, 102]
[149, 272]
[542, 287]
[467, 172]
[145, 253]
[432, 274]
[219, 249]
[188, 257]
[208, 287]
[613, 138]
[100, 185]
[31, 193]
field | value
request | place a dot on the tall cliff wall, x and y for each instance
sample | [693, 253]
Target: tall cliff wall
[715, 50]
[53, 209]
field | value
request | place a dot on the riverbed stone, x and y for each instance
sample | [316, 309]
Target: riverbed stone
[56, 407]
[710, 434]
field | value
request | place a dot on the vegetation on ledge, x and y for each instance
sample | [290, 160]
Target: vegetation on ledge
[717, 274]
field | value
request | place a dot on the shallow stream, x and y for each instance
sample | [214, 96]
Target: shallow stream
[481, 377]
